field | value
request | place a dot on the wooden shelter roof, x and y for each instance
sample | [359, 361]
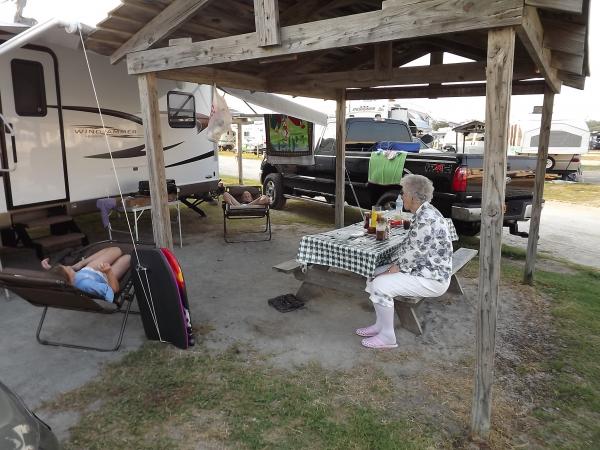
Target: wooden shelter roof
[318, 55]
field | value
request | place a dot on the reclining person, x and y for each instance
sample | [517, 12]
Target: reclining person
[98, 274]
[246, 199]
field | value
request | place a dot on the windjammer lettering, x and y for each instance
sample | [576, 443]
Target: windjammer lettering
[94, 131]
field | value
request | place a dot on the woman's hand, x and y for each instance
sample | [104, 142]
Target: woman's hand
[104, 267]
[393, 269]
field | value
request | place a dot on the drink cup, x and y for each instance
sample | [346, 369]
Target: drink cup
[406, 224]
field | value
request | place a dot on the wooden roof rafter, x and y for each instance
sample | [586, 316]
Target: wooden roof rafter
[367, 28]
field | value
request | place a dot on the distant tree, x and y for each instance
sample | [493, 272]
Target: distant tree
[437, 124]
[593, 125]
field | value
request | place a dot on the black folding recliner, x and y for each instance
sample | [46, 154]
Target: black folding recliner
[43, 289]
[246, 212]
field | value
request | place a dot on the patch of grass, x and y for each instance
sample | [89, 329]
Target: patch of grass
[245, 155]
[571, 415]
[578, 193]
[159, 397]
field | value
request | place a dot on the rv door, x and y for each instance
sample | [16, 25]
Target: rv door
[34, 150]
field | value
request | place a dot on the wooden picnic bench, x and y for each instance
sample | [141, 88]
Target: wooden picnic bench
[315, 277]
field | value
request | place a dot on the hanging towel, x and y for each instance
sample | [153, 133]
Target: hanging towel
[386, 171]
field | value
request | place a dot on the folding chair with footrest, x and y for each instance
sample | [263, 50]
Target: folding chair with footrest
[242, 211]
[44, 289]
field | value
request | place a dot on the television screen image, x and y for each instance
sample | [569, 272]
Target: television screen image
[288, 136]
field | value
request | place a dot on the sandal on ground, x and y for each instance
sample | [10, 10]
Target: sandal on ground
[376, 343]
[367, 331]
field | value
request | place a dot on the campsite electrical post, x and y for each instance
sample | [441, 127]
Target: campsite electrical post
[239, 153]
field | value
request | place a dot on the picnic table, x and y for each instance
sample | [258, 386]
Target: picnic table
[341, 259]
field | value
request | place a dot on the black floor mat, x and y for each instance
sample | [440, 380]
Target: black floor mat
[286, 303]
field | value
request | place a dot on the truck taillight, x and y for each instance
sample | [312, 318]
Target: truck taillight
[459, 180]
[575, 158]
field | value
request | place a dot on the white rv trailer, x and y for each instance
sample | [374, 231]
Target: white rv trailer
[53, 149]
[569, 139]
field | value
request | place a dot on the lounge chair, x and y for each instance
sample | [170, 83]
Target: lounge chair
[43, 289]
[246, 212]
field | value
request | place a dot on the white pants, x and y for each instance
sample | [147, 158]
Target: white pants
[384, 288]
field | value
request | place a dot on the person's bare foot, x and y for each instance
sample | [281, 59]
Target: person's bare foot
[46, 264]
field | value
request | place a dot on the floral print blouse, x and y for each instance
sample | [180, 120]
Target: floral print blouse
[427, 250]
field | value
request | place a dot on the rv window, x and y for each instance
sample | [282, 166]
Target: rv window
[182, 110]
[559, 139]
[28, 87]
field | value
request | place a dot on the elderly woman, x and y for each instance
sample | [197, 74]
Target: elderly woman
[423, 266]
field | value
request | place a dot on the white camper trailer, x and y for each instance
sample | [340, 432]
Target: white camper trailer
[53, 148]
[569, 139]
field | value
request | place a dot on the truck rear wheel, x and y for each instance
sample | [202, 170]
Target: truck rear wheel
[388, 200]
[273, 188]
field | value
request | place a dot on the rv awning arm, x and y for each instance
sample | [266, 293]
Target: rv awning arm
[279, 104]
[30, 34]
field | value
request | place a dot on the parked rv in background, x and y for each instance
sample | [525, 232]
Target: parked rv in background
[569, 139]
[54, 156]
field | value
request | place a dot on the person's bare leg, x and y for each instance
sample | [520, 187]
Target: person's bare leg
[230, 199]
[99, 254]
[108, 255]
[262, 200]
[121, 265]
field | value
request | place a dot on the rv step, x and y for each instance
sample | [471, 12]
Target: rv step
[56, 242]
[47, 221]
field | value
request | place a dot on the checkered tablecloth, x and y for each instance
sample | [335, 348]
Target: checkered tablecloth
[342, 249]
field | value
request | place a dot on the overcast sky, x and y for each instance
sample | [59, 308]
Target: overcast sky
[571, 103]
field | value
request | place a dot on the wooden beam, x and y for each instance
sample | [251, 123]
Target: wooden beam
[441, 73]
[383, 60]
[357, 29]
[340, 157]
[538, 194]
[564, 37]
[570, 6]
[531, 34]
[161, 220]
[501, 49]
[266, 18]
[572, 80]
[208, 75]
[528, 87]
[436, 59]
[159, 27]
[567, 62]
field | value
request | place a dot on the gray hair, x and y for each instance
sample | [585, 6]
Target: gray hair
[418, 187]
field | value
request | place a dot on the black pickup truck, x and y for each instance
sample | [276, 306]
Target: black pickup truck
[457, 178]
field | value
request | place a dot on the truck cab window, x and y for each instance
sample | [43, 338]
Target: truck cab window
[29, 89]
[182, 110]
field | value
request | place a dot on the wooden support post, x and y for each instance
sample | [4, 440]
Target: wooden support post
[340, 157]
[500, 58]
[266, 18]
[435, 59]
[538, 195]
[239, 153]
[161, 220]
[383, 60]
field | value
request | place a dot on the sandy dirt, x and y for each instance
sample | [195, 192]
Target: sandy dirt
[228, 287]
